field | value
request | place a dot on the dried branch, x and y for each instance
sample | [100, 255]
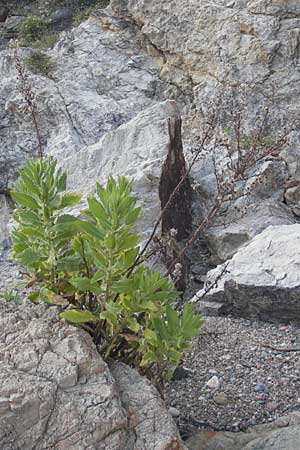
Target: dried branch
[28, 95]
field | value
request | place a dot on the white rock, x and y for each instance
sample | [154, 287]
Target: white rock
[213, 383]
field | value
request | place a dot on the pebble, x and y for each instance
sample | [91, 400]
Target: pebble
[272, 406]
[221, 399]
[261, 387]
[213, 383]
[181, 373]
[174, 412]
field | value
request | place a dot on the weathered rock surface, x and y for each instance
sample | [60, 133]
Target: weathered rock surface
[264, 437]
[135, 149]
[102, 79]
[211, 45]
[262, 280]
[136, 54]
[56, 391]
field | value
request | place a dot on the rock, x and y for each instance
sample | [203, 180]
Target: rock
[284, 439]
[3, 13]
[174, 412]
[181, 373]
[221, 399]
[261, 387]
[207, 45]
[102, 80]
[62, 18]
[56, 391]
[224, 242]
[262, 279]
[213, 383]
[272, 406]
[12, 24]
[144, 142]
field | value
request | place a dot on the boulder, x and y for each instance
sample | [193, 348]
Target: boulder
[261, 281]
[56, 391]
[256, 439]
[136, 149]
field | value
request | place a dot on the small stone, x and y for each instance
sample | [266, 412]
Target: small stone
[272, 406]
[181, 373]
[261, 387]
[221, 399]
[174, 412]
[213, 383]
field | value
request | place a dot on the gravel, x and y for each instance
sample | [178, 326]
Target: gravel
[235, 379]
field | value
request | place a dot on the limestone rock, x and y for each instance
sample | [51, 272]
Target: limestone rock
[102, 79]
[56, 392]
[262, 279]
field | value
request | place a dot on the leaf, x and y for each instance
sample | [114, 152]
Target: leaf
[75, 316]
[97, 210]
[29, 258]
[133, 324]
[173, 320]
[70, 199]
[110, 317]
[110, 241]
[84, 284]
[69, 263]
[25, 200]
[91, 229]
[132, 217]
[50, 297]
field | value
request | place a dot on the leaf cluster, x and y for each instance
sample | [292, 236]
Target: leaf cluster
[85, 265]
[32, 29]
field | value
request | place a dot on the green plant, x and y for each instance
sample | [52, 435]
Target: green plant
[32, 29]
[41, 237]
[47, 40]
[88, 265]
[39, 63]
[12, 295]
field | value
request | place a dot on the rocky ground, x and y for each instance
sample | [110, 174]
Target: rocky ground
[239, 374]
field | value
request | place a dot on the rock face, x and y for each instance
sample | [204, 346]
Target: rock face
[102, 79]
[262, 280]
[208, 46]
[264, 437]
[102, 109]
[56, 391]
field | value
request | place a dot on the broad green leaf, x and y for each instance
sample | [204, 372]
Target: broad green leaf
[76, 316]
[70, 199]
[84, 284]
[25, 200]
[91, 229]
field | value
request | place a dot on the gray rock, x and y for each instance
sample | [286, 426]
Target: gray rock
[262, 279]
[207, 45]
[3, 13]
[213, 383]
[12, 24]
[61, 19]
[56, 392]
[102, 80]
[284, 439]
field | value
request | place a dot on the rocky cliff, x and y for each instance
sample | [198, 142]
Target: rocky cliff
[101, 109]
